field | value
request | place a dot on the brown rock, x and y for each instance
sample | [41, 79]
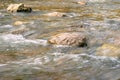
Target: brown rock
[109, 50]
[56, 14]
[72, 39]
[18, 8]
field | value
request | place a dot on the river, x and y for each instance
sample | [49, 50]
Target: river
[26, 55]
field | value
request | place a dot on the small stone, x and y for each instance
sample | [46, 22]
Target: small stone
[109, 50]
[56, 14]
[81, 3]
[71, 39]
[18, 8]
[20, 23]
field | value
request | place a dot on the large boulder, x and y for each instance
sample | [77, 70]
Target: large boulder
[18, 8]
[71, 38]
[109, 50]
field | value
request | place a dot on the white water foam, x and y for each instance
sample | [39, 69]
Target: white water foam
[20, 39]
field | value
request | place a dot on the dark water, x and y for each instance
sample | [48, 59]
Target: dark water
[26, 55]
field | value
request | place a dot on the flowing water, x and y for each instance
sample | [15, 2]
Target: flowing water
[26, 55]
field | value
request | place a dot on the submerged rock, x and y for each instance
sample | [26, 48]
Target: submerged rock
[108, 50]
[20, 30]
[56, 14]
[117, 41]
[18, 8]
[72, 39]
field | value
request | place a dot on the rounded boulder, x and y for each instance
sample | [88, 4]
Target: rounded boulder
[71, 39]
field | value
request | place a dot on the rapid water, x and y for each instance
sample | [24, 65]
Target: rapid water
[26, 55]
